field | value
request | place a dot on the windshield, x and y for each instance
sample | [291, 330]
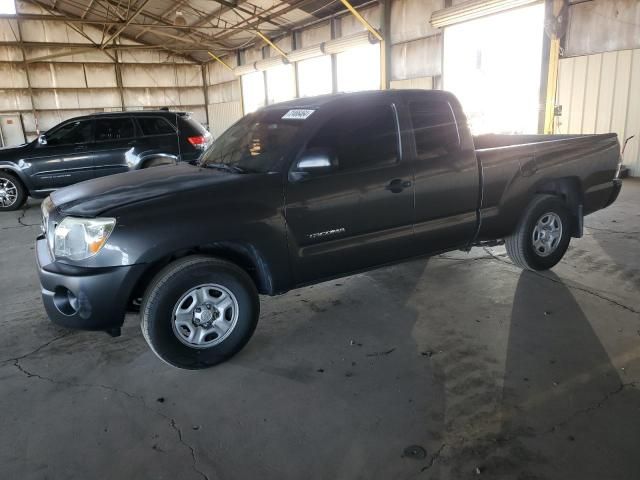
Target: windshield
[256, 143]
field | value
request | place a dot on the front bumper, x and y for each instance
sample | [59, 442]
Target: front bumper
[81, 297]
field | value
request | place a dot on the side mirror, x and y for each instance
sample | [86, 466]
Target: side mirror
[42, 139]
[314, 161]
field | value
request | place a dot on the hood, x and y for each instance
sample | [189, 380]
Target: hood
[12, 153]
[91, 198]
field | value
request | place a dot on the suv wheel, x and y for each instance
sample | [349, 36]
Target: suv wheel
[543, 234]
[199, 311]
[12, 192]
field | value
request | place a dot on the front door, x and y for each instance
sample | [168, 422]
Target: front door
[66, 158]
[359, 213]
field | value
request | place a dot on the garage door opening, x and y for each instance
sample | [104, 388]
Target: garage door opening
[493, 64]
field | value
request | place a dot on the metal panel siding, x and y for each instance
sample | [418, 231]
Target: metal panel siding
[605, 98]
[14, 100]
[315, 35]
[598, 95]
[12, 76]
[592, 89]
[410, 19]
[349, 24]
[10, 54]
[218, 73]
[225, 92]
[420, 58]
[603, 25]
[100, 75]
[223, 115]
[424, 83]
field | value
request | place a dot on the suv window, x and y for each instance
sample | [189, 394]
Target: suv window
[155, 126]
[435, 129]
[70, 133]
[114, 128]
[362, 138]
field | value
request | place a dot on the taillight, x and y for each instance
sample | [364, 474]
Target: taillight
[199, 141]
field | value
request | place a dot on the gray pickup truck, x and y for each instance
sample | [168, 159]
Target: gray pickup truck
[301, 192]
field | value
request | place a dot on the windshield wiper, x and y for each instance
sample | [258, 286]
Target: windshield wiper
[224, 166]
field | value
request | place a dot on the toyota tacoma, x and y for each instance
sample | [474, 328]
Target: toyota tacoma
[301, 192]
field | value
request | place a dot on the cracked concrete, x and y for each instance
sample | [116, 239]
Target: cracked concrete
[489, 369]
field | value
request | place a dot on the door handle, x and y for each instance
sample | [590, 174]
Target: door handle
[397, 185]
[80, 148]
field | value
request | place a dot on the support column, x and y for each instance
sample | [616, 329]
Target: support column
[554, 28]
[116, 60]
[25, 64]
[205, 90]
[385, 45]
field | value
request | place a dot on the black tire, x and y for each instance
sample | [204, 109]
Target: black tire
[21, 193]
[169, 286]
[520, 245]
[158, 162]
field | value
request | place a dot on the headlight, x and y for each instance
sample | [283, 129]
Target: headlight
[80, 238]
[45, 208]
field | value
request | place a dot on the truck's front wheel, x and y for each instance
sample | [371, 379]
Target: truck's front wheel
[199, 311]
[543, 234]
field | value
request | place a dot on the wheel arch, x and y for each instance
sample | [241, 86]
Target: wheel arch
[570, 190]
[18, 174]
[241, 254]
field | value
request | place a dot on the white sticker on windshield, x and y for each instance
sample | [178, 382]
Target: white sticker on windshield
[297, 114]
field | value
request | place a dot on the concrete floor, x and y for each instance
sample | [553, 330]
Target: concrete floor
[487, 371]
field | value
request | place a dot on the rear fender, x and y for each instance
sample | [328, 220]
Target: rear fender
[571, 191]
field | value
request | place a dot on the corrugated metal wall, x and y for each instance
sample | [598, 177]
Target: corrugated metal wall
[416, 51]
[83, 83]
[601, 93]
[225, 98]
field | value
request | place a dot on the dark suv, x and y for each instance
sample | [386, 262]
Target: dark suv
[83, 148]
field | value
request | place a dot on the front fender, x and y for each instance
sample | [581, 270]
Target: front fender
[20, 170]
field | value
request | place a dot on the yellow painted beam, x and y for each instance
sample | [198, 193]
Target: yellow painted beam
[552, 76]
[362, 20]
[219, 60]
[552, 85]
[270, 43]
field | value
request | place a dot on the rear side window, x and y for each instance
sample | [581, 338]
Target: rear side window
[155, 126]
[114, 129]
[364, 137]
[435, 129]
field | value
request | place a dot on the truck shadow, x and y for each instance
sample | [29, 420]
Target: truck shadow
[374, 395]
[554, 417]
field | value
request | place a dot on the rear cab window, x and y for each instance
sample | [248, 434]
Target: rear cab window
[434, 127]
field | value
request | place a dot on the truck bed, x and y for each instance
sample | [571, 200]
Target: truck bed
[515, 167]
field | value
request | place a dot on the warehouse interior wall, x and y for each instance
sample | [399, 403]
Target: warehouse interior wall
[45, 89]
[599, 68]
[599, 74]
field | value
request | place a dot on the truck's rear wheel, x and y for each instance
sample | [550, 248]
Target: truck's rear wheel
[199, 311]
[543, 234]
[12, 192]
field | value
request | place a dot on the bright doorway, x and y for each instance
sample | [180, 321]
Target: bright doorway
[493, 65]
